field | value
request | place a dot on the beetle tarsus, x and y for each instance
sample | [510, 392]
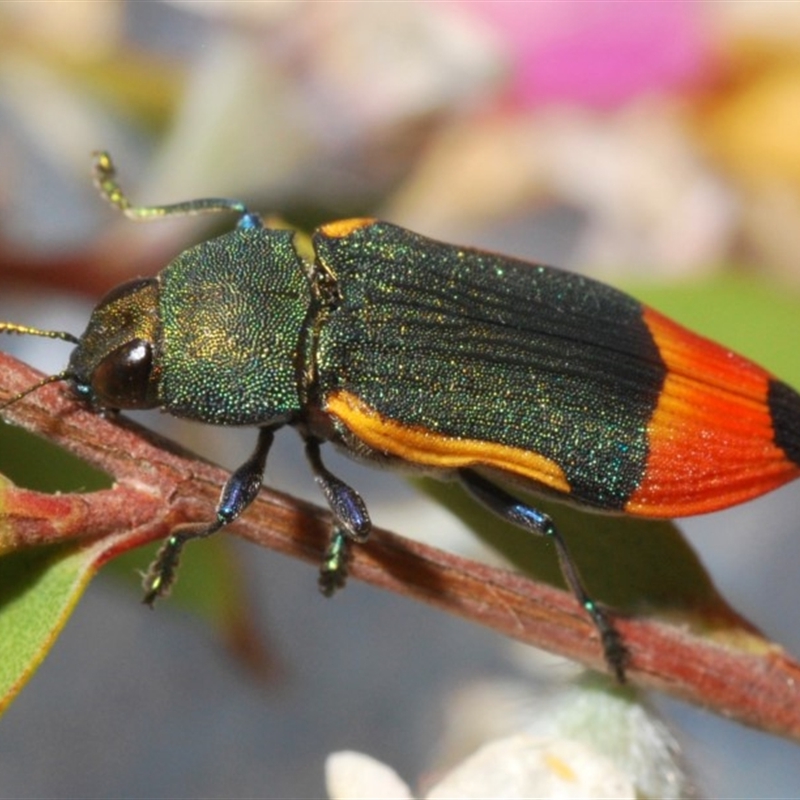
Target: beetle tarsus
[616, 654]
[333, 571]
[161, 573]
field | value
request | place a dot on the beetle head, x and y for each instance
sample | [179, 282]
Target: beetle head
[112, 365]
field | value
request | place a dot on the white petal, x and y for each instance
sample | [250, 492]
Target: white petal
[355, 776]
[523, 767]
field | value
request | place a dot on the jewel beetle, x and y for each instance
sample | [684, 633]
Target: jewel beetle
[408, 352]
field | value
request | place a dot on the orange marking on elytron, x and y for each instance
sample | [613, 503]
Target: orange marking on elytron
[419, 446]
[344, 227]
[711, 438]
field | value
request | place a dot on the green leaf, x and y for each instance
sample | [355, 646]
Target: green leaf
[42, 466]
[753, 317]
[39, 588]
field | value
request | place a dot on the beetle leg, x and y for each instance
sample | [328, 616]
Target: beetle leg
[352, 522]
[239, 491]
[524, 516]
[333, 570]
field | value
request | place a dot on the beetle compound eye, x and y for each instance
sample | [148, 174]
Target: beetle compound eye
[122, 378]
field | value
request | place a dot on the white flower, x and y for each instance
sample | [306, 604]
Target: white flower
[589, 738]
[520, 766]
[355, 776]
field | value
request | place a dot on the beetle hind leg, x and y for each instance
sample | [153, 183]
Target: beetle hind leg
[516, 512]
[352, 522]
[239, 491]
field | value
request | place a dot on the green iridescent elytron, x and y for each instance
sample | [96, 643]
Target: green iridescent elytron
[461, 363]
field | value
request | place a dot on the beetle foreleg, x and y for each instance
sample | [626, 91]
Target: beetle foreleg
[351, 516]
[239, 491]
[518, 513]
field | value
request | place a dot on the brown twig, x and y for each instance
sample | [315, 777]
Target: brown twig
[158, 486]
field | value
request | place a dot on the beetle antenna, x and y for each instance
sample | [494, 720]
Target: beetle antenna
[59, 376]
[106, 182]
[26, 330]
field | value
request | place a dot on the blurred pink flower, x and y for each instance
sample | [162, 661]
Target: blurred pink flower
[599, 54]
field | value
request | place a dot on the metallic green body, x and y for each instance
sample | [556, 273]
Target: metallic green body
[468, 344]
[233, 313]
[452, 341]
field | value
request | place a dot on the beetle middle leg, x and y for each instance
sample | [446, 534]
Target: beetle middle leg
[352, 522]
[524, 516]
[239, 491]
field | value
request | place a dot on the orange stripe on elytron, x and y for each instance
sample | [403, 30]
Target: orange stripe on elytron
[419, 446]
[344, 227]
[710, 437]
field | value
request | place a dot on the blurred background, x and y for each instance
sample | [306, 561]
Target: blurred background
[655, 145]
